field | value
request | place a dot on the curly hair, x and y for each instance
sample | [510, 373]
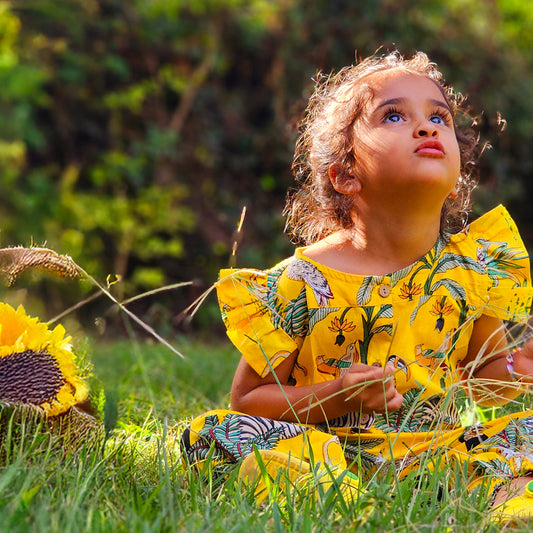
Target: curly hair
[315, 209]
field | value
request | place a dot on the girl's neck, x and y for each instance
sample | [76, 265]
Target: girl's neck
[378, 244]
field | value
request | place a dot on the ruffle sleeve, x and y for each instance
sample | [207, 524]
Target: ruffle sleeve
[498, 248]
[265, 314]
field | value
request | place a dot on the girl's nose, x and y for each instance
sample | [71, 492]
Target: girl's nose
[426, 131]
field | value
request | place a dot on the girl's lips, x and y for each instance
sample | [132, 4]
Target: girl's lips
[433, 148]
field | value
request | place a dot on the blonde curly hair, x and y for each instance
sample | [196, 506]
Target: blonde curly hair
[315, 209]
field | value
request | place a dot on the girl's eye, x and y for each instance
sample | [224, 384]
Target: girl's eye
[440, 118]
[437, 120]
[393, 116]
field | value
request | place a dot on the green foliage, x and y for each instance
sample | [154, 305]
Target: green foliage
[133, 133]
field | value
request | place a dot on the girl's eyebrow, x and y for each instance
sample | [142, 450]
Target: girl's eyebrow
[397, 101]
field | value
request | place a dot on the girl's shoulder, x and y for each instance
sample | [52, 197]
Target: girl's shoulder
[493, 245]
[295, 279]
[238, 285]
[496, 227]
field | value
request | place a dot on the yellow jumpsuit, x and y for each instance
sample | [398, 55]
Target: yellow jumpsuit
[419, 319]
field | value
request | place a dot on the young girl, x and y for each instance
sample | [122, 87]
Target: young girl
[353, 349]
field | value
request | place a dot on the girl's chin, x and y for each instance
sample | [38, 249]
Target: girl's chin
[431, 188]
[423, 199]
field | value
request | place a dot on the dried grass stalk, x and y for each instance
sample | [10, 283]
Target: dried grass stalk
[15, 260]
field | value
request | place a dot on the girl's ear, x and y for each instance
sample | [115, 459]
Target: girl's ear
[342, 180]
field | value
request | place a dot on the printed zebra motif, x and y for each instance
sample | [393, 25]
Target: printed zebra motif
[356, 421]
[238, 434]
[253, 426]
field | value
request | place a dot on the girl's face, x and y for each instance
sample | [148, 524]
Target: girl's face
[405, 145]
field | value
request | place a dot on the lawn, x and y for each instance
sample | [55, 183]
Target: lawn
[135, 480]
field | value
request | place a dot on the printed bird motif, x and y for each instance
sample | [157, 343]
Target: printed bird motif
[434, 359]
[302, 270]
[338, 367]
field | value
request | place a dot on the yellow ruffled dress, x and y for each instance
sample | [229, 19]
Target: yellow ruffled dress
[419, 319]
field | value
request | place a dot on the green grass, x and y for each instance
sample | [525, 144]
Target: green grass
[137, 482]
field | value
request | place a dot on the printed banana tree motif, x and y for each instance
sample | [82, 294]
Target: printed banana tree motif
[496, 467]
[341, 326]
[441, 309]
[419, 415]
[434, 359]
[267, 294]
[515, 436]
[408, 290]
[293, 317]
[398, 419]
[365, 290]
[447, 261]
[318, 314]
[463, 313]
[290, 315]
[369, 321]
[500, 262]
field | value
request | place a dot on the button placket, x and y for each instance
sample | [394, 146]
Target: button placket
[384, 290]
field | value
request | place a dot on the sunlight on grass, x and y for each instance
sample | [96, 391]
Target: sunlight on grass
[135, 481]
[130, 475]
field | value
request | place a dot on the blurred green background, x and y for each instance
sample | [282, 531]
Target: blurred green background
[133, 132]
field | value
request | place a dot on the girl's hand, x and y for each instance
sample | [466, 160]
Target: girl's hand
[363, 388]
[371, 389]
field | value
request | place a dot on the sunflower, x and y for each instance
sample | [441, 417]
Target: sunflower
[37, 364]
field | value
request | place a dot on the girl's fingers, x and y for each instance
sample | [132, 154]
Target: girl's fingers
[393, 398]
[395, 402]
[388, 370]
[374, 386]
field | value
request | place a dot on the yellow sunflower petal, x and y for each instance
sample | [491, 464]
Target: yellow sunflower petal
[36, 364]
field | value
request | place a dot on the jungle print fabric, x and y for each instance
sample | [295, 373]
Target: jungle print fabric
[419, 319]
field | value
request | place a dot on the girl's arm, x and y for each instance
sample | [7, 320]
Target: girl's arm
[369, 386]
[485, 366]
